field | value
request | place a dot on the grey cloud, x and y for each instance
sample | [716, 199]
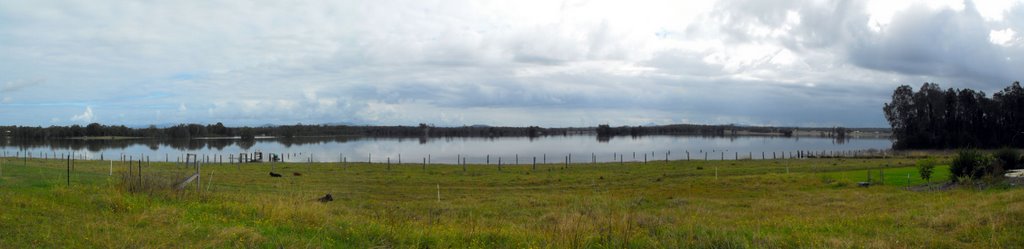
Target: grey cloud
[396, 62]
[683, 63]
[16, 85]
[9, 88]
[940, 43]
[944, 44]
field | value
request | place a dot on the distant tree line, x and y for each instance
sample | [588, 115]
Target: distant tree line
[678, 129]
[155, 144]
[719, 130]
[98, 130]
[955, 118]
[188, 131]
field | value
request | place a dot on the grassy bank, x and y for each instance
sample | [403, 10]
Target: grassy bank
[711, 204]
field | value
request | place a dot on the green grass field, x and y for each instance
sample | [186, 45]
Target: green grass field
[812, 203]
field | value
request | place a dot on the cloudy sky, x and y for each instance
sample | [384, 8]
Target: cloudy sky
[548, 63]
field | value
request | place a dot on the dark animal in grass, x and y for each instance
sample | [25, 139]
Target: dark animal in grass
[272, 174]
[326, 198]
[296, 174]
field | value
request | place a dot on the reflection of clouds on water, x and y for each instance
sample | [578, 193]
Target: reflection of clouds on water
[447, 150]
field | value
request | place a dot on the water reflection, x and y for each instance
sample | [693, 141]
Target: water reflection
[450, 149]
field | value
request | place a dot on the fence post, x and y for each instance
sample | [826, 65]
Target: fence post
[199, 181]
[881, 176]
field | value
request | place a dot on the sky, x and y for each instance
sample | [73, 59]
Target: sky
[509, 63]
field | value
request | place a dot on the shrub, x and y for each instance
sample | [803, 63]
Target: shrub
[970, 163]
[1008, 158]
[925, 167]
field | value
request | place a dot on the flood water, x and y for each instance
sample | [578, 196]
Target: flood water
[549, 149]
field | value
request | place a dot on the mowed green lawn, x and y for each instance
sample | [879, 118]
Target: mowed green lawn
[680, 204]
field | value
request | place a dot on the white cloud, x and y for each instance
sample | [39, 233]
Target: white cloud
[1004, 37]
[995, 10]
[85, 117]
